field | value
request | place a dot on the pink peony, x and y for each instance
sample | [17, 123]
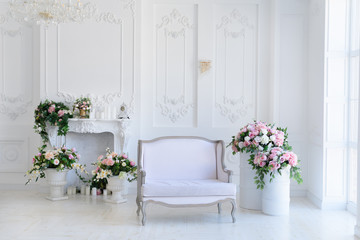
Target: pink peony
[51, 109]
[132, 163]
[61, 113]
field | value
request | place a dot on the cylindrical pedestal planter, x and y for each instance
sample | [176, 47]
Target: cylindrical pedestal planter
[119, 188]
[250, 196]
[276, 195]
[57, 181]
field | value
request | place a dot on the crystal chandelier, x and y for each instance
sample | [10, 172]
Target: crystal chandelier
[46, 12]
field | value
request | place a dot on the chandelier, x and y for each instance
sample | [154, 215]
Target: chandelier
[46, 12]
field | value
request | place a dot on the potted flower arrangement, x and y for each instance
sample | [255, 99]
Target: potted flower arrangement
[54, 165]
[114, 171]
[83, 105]
[53, 113]
[269, 155]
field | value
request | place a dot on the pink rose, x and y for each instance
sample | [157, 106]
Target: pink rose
[51, 109]
[274, 165]
[33, 160]
[293, 161]
[124, 156]
[39, 154]
[56, 161]
[73, 149]
[260, 159]
[110, 162]
[61, 113]
[71, 156]
[132, 163]
[233, 147]
[100, 157]
[246, 143]
[262, 164]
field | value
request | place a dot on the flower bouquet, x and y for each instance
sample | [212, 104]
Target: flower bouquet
[54, 113]
[83, 105]
[269, 151]
[59, 159]
[112, 164]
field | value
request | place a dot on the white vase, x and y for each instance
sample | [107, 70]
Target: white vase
[119, 188]
[57, 181]
[276, 195]
[250, 196]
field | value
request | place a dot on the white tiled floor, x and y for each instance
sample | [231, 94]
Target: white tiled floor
[28, 215]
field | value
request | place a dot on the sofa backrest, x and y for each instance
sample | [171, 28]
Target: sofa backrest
[177, 158]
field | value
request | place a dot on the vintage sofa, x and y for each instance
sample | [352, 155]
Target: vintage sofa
[183, 172]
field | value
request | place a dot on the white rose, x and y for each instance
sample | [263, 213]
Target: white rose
[241, 144]
[272, 137]
[275, 158]
[257, 139]
[264, 131]
[123, 164]
[247, 138]
[261, 148]
[264, 139]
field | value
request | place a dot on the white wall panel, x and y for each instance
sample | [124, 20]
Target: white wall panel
[235, 63]
[175, 64]
[95, 59]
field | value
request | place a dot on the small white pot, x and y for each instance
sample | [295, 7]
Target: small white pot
[57, 181]
[276, 195]
[119, 188]
[250, 196]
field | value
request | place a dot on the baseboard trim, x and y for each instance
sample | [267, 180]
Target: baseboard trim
[314, 199]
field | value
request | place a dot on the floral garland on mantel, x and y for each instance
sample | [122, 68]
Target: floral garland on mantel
[56, 113]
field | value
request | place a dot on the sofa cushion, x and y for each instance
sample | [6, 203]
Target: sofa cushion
[187, 188]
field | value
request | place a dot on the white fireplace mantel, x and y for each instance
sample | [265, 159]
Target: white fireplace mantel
[118, 127]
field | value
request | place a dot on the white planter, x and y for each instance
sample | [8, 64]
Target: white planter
[250, 196]
[119, 188]
[276, 195]
[57, 181]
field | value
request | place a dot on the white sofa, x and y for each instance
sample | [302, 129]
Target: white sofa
[181, 172]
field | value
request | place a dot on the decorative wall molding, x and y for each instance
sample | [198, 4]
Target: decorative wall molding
[174, 27]
[239, 29]
[11, 106]
[174, 109]
[13, 154]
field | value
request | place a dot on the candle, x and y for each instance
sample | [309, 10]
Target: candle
[93, 191]
[105, 192]
[87, 190]
[73, 190]
[82, 190]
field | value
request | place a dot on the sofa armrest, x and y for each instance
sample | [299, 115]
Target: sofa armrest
[142, 175]
[229, 173]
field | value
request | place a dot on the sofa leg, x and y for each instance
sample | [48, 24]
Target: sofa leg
[139, 206]
[143, 208]
[233, 203]
[219, 207]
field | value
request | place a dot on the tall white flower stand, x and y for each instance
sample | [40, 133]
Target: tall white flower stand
[250, 196]
[119, 188]
[276, 195]
[57, 181]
